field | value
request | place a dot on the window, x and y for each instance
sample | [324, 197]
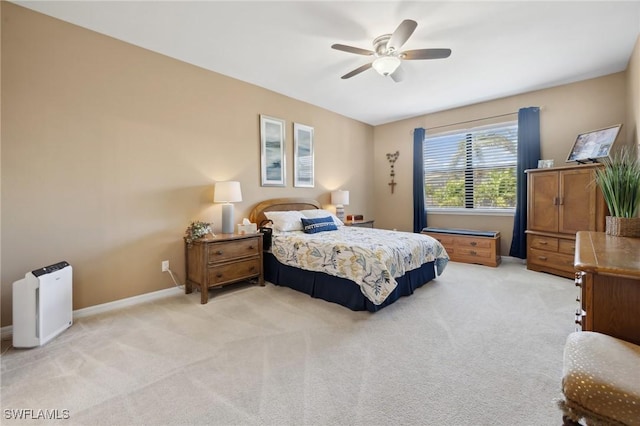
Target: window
[472, 169]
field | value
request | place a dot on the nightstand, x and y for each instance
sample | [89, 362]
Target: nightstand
[360, 223]
[221, 260]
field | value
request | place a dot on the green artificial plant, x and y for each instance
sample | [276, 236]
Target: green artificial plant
[619, 181]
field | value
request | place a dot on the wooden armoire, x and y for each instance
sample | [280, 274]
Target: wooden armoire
[561, 202]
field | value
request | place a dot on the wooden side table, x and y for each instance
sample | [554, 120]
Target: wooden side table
[608, 274]
[221, 260]
[360, 223]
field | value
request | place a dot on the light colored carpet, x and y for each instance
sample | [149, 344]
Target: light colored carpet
[477, 346]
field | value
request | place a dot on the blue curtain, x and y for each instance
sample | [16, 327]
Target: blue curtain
[528, 156]
[419, 212]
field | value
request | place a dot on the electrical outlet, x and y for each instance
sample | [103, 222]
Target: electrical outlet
[165, 265]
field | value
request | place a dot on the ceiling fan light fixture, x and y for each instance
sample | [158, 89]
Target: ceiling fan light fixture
[387, 54]
[386, 65]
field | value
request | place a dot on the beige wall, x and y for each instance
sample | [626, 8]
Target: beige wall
[566, 111]
[633, 96]
[0, 144]
[109, 150]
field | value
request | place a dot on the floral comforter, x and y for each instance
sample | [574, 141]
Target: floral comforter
[372, 258]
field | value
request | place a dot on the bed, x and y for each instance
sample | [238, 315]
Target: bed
[359, 268]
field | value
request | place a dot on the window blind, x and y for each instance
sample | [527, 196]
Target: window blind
[472, 169]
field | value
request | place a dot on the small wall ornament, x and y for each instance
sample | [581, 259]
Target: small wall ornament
[392, 157]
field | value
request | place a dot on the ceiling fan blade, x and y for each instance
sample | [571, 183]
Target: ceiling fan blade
[356, 71]
[426, 54]
[401, 34]
[352, 49]
[398, 74]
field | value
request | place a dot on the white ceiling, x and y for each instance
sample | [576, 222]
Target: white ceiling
[499, 48]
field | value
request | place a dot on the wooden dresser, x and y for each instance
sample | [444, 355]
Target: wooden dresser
[561, 202]
[608, 274]
[221, 260]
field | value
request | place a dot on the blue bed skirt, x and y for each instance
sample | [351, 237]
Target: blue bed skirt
[340, 290]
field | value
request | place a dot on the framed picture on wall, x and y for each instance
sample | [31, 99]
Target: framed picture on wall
[302, 156]
[595, 144]
[272, 151]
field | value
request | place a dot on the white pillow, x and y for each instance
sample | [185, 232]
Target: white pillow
[286, 221]
[316, 213]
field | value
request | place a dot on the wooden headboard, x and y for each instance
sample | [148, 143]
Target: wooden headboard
[281, 204]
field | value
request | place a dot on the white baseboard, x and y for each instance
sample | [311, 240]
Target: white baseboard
[512, 259]
[7, 331]
[122, 303]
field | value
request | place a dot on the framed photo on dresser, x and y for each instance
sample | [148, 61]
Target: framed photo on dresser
[590, 146]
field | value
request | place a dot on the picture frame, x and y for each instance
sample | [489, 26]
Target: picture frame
[590, 146]
[303, 157]
[272, 151]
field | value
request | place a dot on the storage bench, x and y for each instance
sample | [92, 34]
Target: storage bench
[469, 246]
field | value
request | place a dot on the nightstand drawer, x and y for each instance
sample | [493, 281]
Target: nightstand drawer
[234, 271]
[222, 252]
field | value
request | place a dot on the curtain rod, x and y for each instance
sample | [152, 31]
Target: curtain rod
[478, 119]
[471, 121]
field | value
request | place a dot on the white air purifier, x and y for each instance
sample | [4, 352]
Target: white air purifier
[42, 305]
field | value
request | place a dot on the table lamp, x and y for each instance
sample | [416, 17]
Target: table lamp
[227, 193]
[340, 199]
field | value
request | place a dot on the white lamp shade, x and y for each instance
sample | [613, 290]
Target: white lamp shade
[340, 197]
[227, 192]
[386, 65]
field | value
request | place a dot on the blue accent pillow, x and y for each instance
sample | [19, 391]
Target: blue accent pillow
[320, 224]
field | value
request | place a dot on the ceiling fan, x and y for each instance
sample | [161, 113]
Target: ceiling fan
[388, 55]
